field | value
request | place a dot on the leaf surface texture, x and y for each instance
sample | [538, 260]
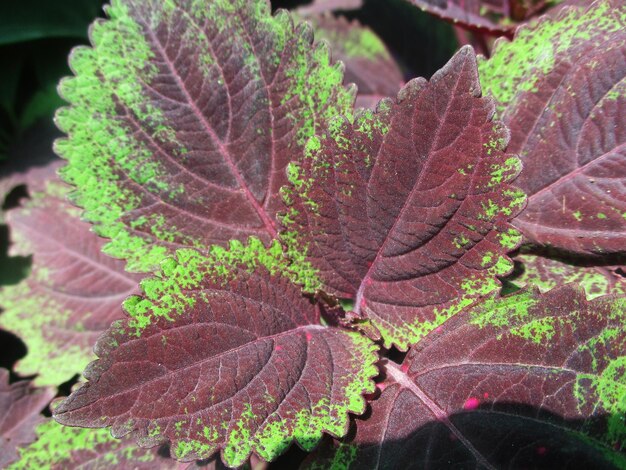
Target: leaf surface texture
[405, 211]
[564, 100]
[219, 359]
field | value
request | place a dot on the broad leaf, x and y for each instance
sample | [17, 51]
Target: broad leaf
[526, 381]
[560, 87]
[64, 448]
[218, 357]
[72, 294]
[405, 211]
[478, 15]
[368, 62]
[20, 407]
[546, 273]
[184, 116]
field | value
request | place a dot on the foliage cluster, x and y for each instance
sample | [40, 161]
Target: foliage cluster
[266, 231]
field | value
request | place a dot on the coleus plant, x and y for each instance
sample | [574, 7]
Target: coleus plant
[290, 244]
[492, 17]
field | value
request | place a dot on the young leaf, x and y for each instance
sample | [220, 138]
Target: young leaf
[546, 273]
[20, 406]
[184, 116]
[405, 211]
[65, 448]
[560, 87]
[530, 380]
[72, 294]
[218, 357]
[368, 62]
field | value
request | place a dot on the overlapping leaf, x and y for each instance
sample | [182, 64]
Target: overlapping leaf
[405, 211]
[72, 294]
[222, 358]
[184, 116]
[20, 407]
[546, 273]
[368, 62]
[530, 380]
[65, 448]
[560, 87]
[478, 15]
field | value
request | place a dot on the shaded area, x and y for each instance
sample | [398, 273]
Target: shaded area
[419, 43]
[12, 349]
[35, 39]
[14, 269]
[507, 436]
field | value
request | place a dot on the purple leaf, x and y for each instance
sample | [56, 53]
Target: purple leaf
[368, 62]
[217, 357]
[20, 406]
[560, 87]
[476, 15]
[526, 381]
[72, 294]
[184, 116]
[405, 211]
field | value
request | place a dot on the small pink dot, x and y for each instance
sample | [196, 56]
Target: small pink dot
[381, 386]
[541, 450]
[308, 337]
[278, 348]
[485, 395]
[438, 329]
[471, 404]
[363, 303]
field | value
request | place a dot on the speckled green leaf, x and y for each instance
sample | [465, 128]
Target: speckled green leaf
[183, 117]
[222, 355]
[546, 273]
[405, 210]
[560, 86]
[526, 381]
[65, 448]
[72, 294]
